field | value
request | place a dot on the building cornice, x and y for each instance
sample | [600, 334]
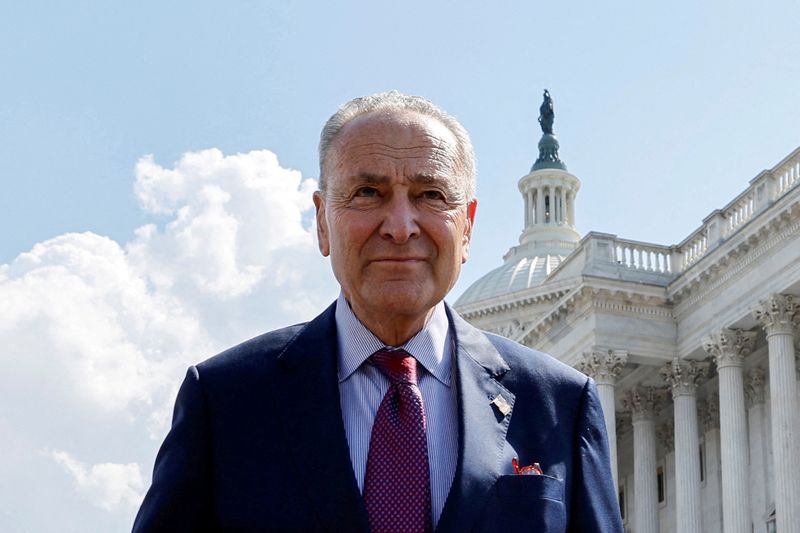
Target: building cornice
[549, 292]
[608, 295]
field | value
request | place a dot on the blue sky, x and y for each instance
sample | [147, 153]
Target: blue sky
[660, 109]
[664, 111]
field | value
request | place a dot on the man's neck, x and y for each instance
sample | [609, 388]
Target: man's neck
[431, 346]
[395, 330]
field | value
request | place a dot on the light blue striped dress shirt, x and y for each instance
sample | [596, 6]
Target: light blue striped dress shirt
[362, 387]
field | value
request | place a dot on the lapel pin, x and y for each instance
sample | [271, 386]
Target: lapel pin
[501, 404]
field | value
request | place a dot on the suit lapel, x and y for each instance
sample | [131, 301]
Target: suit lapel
[482, 425]
[307, 386]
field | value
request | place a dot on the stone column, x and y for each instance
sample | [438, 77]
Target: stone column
[563, 206]
[555, 209]
[644, 403]
[729, 347]
[761, 491]
[531, 207]
[571, 208]
[526, 198]
[540, 205]
[682, 377]
[778, 316]
[604, 367]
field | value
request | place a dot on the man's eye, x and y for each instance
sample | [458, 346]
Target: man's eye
[367, 192]
[433, 195]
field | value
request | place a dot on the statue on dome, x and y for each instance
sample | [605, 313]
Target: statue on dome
[546, 114]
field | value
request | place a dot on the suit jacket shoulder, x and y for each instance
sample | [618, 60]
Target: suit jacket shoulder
[261, 349]
[257, 442]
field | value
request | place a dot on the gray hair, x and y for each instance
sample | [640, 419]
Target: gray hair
[397, 101]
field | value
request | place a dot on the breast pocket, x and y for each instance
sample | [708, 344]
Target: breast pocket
[526, 503]
[530, 487]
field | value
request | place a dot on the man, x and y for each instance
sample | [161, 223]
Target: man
[388, 412]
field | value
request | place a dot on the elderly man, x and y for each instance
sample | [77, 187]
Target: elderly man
[387, 412]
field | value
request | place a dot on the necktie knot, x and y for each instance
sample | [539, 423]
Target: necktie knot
[397, 365]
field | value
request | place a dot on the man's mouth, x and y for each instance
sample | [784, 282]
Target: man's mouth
[398, 260]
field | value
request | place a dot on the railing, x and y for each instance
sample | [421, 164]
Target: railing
[787, 174]
[740, 212]
[693, 248]
[642, 256]
[768, 187]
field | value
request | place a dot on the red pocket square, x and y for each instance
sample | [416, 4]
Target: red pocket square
[530, 470]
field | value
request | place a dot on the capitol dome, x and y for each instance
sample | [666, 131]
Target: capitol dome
[549, 233]
[515, 275]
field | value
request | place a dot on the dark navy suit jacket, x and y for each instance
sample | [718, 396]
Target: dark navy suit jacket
[257, 442]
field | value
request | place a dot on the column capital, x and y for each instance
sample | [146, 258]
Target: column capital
[683, 376]
[729, 347]
[644, 402]
[754, 387]
[603, 366]
[709, 412]
[778, 314]
[666, 436]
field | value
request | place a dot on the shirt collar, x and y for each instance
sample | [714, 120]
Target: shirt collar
[431, 347]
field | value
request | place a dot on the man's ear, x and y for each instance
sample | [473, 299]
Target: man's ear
[471, 208]
[322, 224]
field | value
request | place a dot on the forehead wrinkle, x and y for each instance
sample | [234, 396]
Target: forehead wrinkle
[382, 149]
[436, 162]
[397, 148]
[420, 140]
[400, 156]
[379, 179]
[438, 154]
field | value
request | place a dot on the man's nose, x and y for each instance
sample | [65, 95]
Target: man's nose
[400, 220]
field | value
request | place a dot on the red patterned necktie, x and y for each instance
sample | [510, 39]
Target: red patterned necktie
[397, 488]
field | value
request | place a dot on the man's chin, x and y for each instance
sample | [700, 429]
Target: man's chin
[404, 298]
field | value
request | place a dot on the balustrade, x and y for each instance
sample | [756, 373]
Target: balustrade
[769, 186]
[694, 248]
[640, 256]
[788, 174]
[740, 212]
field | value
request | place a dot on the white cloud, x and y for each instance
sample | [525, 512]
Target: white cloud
[96, 335]
[235, 218]
[236, 248]
[76, 316]
[107, 485]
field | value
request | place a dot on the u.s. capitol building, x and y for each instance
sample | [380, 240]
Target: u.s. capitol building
[693, 346]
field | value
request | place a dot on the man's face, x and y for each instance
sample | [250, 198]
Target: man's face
[395, 218]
